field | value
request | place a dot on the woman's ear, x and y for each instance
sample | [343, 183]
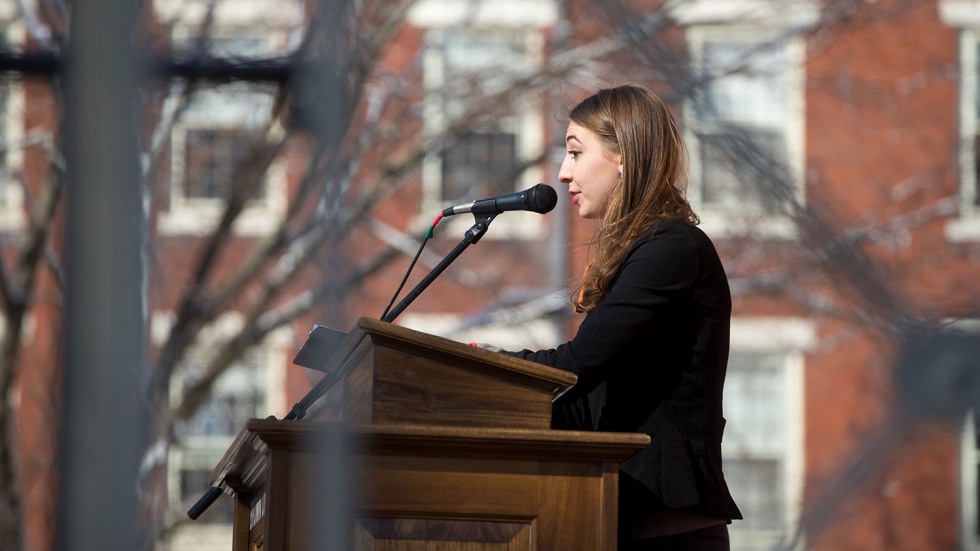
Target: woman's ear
[620, 167]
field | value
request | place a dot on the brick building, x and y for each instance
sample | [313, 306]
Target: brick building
[833, 162]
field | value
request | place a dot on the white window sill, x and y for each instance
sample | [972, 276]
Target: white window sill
[12, 219]
[760, 226]
[504, 13]
[959, 13]
[963, 230]
[533, 334]
[785, 13]
[199, 537]
[238, 12]
[255, 222]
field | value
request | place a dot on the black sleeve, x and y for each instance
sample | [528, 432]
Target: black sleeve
[653, 286]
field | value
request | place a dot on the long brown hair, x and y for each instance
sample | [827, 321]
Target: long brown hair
[633, 122]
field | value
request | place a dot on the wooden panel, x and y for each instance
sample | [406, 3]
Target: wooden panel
[392, 374]
[518, 372]
[522, 477]
[414, 389]
[358, 393]
[276, 527]
[414, 534]
[545, 493]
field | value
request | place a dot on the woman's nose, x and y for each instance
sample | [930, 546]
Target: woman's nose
[564, 173]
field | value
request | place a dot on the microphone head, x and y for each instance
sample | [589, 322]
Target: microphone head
[541, 199]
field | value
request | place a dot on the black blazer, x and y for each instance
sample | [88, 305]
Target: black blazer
[651, 357]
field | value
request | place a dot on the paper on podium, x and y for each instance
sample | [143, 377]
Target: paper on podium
[319, 348]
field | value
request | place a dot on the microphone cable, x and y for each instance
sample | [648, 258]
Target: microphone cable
[428, 235]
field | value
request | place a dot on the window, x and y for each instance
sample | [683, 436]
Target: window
[969, 457]
[763, 441]
[965, 15]
[253, 387]
[12, 214]
[210, 157]
[970, 127]
[488, 135]
[526, 325]
[237, 396]
[482, 161]
[970, 475]
[966, 227]
[740, 133]
[479, 164]
[215, 132]
[208, 144]
[744, 126]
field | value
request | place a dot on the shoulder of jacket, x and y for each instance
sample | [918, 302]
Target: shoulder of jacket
[669, 229]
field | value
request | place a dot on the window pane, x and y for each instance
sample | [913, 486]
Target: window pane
[738, 168]
[976, 71]
[236, 396]
[756, 485]
[479, 165]
[754, 404]
[741, 122]
[756, 440]
[212, 157]
[746, 83]
[976, 496]
[976, 171]
[976, 431]
[7, 118]
[482, 62]
[478, 69]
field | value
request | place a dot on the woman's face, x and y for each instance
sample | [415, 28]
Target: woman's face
[589, 170]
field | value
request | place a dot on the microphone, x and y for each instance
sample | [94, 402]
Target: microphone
[540, 198]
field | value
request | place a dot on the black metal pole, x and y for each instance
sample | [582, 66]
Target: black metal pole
[104, 416]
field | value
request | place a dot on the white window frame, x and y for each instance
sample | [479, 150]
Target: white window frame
[969, 485]
[205, 452]
[965, 15]
[278, 24]
[791, 338]
[508, 17]
[508, 334]
[750, 21]
[12, 211]
[198, 216]
[969, 461]
[280, 14]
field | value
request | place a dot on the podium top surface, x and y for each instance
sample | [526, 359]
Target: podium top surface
[245, 460]
[435, 346]
[387, 374]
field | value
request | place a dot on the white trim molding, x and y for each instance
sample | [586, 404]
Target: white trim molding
[960, 13]
[13, 215]
[750, 217]
[777, 13]
[789, 339]
[433, 14]
[966, 227]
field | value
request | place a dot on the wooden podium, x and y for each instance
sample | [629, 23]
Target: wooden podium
[430, 445]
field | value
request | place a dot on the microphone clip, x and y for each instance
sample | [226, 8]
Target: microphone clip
[479, 229]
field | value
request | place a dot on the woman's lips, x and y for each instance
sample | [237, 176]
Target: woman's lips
[575, 197]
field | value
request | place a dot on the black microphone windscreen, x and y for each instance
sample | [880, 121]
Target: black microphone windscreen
[542, 199]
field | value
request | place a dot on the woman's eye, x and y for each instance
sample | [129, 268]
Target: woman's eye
[574, 154]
